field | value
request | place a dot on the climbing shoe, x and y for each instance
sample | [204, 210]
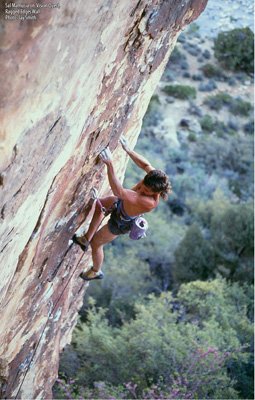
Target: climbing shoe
[81, 241]
[91, 275]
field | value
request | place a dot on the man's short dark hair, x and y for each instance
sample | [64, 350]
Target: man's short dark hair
[158, 182]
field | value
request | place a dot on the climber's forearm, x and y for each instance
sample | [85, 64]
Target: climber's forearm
[140, 161]
[114, 182]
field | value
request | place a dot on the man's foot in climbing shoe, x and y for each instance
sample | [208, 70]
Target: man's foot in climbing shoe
[91, 274]
[81, 241]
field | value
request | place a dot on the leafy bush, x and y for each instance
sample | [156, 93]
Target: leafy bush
[207, 123]
[234, 49]
[127, 280]
[217, 101]
[212, 71]
[194, 257]
[236, 105]
[232, 239]
[181, 347]
[249, 127]
[192, 137]
[217, 154]
[183, 92]
[233, 157]
[184, 385]
[229, 232]
[240, 107]
[222, 130]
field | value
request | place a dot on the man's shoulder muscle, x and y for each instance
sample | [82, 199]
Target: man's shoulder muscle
[147, 202]
[137, 199]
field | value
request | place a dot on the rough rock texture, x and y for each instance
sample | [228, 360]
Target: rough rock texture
[71, 83]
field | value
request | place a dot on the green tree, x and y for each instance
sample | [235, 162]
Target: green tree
[230, 230]
[183, 92]
[234, 156]
[233, 241]
[127, 280]
[186, 345]
[230, 308]
[194, 257]
[212, 71]
[234, 49]
[236, 106]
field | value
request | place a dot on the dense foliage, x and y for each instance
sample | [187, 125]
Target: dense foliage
[235, 105]
[226, 246]
[180, 91]
[187, 345]
[212, 71]
[235, 49]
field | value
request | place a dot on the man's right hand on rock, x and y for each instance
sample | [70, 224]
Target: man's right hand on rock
[124, 143]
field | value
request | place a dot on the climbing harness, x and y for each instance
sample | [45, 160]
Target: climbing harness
[105, 211]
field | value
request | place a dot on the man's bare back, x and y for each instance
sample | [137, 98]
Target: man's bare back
[141, 201]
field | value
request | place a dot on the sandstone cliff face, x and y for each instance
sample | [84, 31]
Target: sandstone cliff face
[73, 81]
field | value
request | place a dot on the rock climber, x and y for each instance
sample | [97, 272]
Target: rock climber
[124, 207]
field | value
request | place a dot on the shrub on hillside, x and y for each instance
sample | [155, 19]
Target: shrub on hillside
[236, 106]
[234, 155]
[222, 130]
[234, 49]
[217, 101]
[212, 71]
[183, 347]
[232, 239]
[249, 127]
[124, 283]
[229, 232]
[240, 107]
[207, 123]
[183, 92]
[194, 258]
[192, 137]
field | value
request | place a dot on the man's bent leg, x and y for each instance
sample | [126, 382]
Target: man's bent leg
[102, 237]
[98, 215]
[84, 241]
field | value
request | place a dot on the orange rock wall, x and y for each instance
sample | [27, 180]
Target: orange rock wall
[72, 82]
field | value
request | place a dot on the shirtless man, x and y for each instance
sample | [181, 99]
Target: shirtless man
[125, 205]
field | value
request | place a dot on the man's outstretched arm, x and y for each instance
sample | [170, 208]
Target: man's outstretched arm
[122, 193]
[114, 181]
[115, 184]
[139, 160]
